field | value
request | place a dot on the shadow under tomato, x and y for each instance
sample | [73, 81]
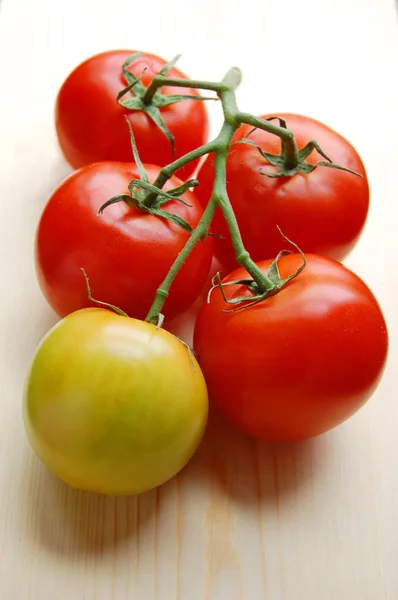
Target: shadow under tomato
[228, 468]
[250, 471]
[68, 522]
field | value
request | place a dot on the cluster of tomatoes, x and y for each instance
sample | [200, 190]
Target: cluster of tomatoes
[116, 404]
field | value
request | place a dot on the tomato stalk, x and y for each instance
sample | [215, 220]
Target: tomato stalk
[290, 161]
[146, 99]
[219, 197]
[169, 170]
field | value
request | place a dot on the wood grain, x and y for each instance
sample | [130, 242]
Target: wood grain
[244, 520]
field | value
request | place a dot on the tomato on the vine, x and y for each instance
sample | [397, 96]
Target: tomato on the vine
[126, 253]
[298, 363]
[114, 405]
[323, 211]
[90, 123]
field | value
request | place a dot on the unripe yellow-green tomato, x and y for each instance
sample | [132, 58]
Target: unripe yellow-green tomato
[114, 405]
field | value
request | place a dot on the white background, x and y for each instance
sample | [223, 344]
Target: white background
[244, 521]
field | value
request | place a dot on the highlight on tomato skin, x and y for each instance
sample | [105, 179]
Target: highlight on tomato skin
[324, 211]
[126, 253]
[300, 362]
[91, 127]
[113, 405]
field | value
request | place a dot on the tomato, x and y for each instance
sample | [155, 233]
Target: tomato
[298, 363]
[126, 253]
[91, 127]
[323, 212]
[113, 405]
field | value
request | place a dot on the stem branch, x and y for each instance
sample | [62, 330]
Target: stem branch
[160, 80]
[220, 196]
[199, 233]
[169, 170]
[286, 135]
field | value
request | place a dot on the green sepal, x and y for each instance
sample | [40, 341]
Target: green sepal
[181, 189]
[162, 196]
[303, 166]
[273, 271]
[137, 198]
[137, 159]
[152, 210]
[136, 81]
[171, 217]
[154, 113]
[115, 199]
[134, 103]
[139, 101]
[168, 66]
[116, 309]
[131, 79]
[279, 160]
[258, 296]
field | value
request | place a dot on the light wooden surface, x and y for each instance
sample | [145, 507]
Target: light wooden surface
[244, 521]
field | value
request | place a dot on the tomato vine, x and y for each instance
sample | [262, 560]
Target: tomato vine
[290, 161]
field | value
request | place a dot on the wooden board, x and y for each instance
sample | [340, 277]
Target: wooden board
[244, 521]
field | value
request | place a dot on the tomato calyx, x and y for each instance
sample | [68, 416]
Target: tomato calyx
[276, 284]
[136, 199]
[150, 99]
[288, 163]
[150, 198]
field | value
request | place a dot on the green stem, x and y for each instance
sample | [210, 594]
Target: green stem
[160, 80]
[220, 147]
[225, 91]
[167, 172]
[291, 154]
[221, 198]
[199, 233]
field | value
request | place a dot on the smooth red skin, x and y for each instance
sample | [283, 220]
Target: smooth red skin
[125, 252]
[323, 212]
[299, 363]
[91, 125]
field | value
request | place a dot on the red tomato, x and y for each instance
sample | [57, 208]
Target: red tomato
[322, 212]
[125, 252]
[91, 126]
[298, 363]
